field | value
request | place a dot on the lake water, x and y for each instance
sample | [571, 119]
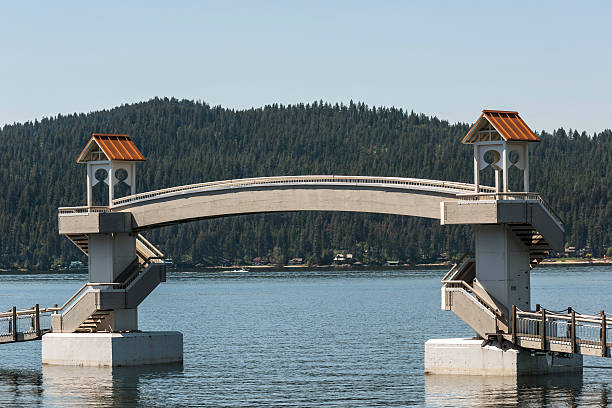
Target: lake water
[299, 339]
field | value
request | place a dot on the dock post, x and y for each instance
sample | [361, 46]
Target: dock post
[514, 324]
[604, 346]
[37, 307]
[14, 323]
[573, 330]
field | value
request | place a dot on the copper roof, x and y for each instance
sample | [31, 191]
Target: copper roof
[507, 123]
[114, 147]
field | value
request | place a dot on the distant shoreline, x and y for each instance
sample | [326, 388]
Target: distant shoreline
[441, 266]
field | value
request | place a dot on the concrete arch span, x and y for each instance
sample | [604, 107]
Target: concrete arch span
[412, 197]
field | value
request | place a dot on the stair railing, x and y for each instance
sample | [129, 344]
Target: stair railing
[463, 285]
[457, 265]
[143, 267]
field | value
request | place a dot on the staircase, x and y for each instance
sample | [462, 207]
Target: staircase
[144, 249]
[81, 241]
[533, 240]
[91, 308]
[95, 322]
[464, 296]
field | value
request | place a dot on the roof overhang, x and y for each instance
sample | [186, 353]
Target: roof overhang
[113, 147]
[508, 124]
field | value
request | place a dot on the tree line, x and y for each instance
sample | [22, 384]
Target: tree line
[189, 142]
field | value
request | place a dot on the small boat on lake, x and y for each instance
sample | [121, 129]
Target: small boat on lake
[238, 270]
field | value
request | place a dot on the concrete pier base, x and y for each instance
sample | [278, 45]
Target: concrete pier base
[469, 357]
[112, 349]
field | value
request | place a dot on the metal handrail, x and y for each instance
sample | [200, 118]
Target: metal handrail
[141, 269]
[457, 265]
[59, 309]
[150, 247]
[465, 286]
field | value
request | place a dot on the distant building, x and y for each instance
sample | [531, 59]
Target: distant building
[76, 265]
[296, 261]
[343, 258]
[570, 252]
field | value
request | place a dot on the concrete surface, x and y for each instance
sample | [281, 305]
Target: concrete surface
[112, 349]
[467, 357]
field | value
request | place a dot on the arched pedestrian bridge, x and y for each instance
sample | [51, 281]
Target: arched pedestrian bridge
[111, 238]
[447, 201]
[489, 290]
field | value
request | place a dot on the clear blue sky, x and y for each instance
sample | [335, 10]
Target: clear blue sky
[550, 60]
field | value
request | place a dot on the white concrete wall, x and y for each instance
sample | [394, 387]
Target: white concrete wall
[112, 349]
[208, 205]
[468, 357]
[124, 320]
[109, 255]
[502, 265]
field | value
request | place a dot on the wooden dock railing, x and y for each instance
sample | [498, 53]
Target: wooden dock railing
[569, 332]
[24, 325]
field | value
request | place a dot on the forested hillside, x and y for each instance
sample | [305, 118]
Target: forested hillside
[188, 142]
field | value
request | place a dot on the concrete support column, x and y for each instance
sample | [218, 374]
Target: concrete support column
[502, 266]
[124, 320]
[109, 255]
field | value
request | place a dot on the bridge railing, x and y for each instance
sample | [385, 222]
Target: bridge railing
[398, 182]
[82, 210]
[574, 332]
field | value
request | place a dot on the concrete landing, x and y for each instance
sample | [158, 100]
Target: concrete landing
[112, 349]
[468, 357]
